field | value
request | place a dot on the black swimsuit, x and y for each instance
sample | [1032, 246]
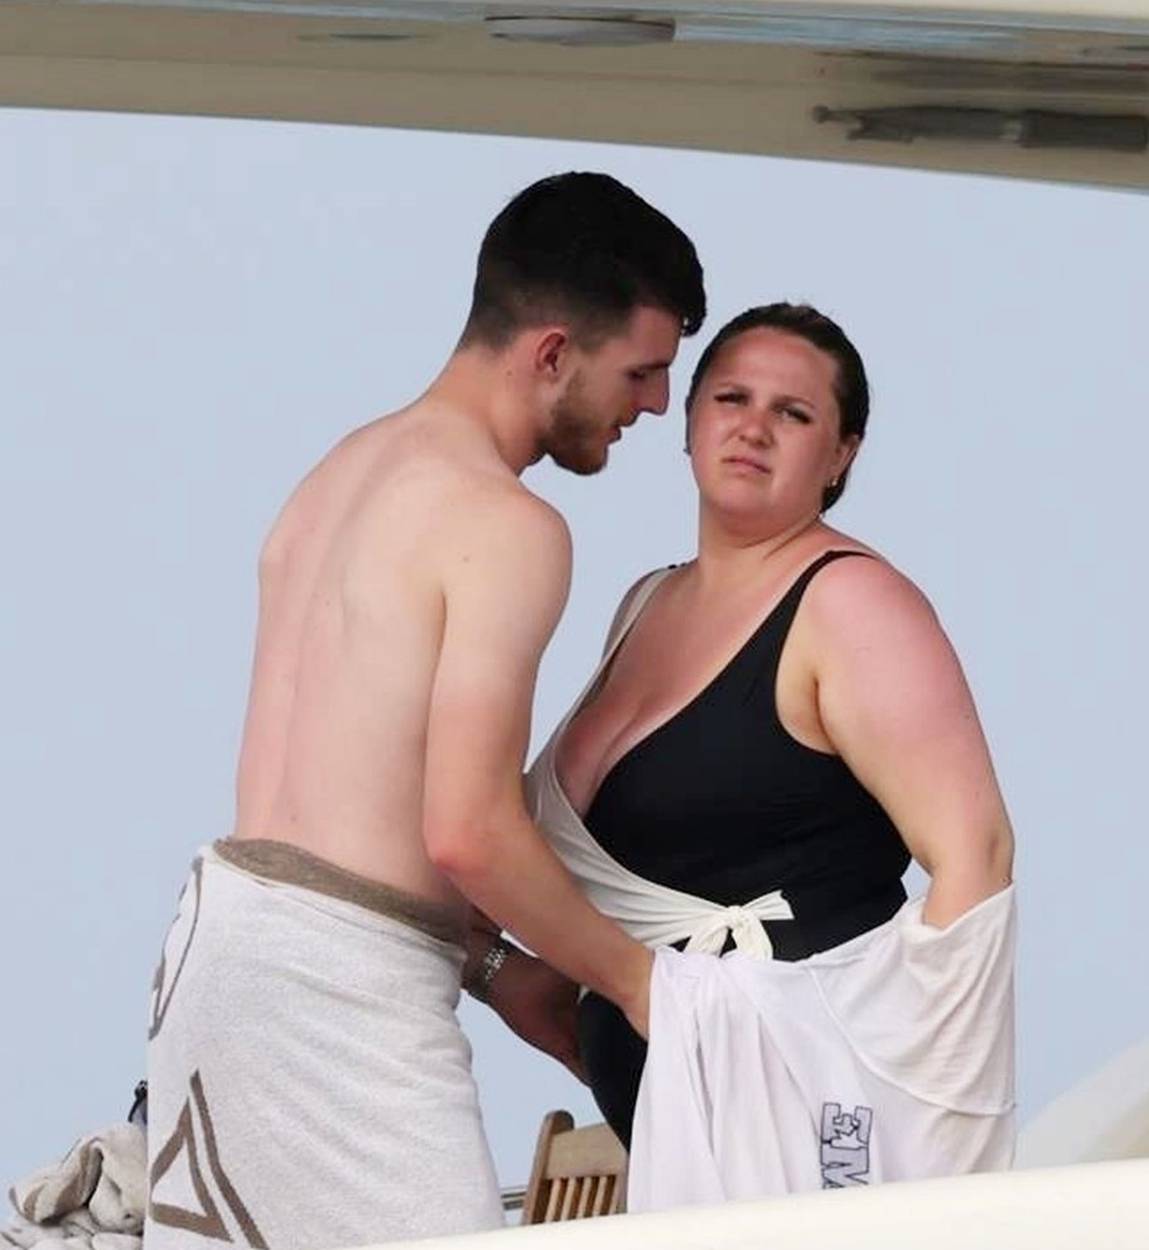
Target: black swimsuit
[721, 802]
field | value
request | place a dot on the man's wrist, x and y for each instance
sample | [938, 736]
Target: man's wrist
[480, 978]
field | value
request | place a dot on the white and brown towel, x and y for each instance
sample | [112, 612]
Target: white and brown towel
[309, 1084]
[93, 1199]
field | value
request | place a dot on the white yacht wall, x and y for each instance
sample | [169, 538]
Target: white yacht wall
[1102, 1206]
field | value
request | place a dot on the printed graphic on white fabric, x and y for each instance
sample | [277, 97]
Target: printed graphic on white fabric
[845, 1146]
[183, 1196]
[176, 946]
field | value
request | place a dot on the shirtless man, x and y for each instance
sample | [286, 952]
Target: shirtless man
[310, 1086]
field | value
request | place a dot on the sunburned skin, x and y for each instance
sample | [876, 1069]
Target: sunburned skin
[351, 621]
[406, 594]
[676, 649]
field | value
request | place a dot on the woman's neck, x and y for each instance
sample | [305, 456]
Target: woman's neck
[727, 558]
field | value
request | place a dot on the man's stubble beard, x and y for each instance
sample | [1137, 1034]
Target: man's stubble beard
[576, 440]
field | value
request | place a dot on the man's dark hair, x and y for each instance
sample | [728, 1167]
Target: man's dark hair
[583, 249]
[851, 389]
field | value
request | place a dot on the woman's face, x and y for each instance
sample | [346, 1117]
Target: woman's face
[764, 429]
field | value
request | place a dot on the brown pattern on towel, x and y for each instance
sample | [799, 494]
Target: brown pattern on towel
[207, 1221]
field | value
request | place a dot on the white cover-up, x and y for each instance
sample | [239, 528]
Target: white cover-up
[889, 1057]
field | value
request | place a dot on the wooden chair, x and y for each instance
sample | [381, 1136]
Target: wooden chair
[577, 1172]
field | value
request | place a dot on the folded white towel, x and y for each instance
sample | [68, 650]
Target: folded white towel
[93, 1199]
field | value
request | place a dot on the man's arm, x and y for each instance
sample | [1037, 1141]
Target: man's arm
[504, 591]
[534, 1001]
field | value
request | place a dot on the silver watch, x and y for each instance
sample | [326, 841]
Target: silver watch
[479, 985]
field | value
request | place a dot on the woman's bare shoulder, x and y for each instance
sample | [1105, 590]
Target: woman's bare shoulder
[866, 593]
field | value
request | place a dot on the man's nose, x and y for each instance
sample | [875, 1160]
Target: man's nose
[657, 397]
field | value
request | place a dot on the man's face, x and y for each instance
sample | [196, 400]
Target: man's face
[610, 387]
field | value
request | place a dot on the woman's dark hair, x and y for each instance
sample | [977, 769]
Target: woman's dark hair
[851, 389]
[584, 249]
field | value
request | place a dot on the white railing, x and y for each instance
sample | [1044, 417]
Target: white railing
[513, 1198]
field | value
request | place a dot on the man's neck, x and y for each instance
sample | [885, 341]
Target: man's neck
[480, 390]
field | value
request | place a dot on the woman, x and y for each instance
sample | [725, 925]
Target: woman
[779, 725]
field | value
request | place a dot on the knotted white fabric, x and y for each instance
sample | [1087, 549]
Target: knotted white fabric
[744, 925]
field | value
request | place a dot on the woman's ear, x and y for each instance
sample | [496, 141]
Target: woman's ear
[847, 450]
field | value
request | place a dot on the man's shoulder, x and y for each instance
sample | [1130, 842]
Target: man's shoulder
[514, 504]
[503, 545]
[462, 481]
[468, 515]
[504, 518]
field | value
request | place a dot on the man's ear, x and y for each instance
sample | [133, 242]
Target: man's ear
[551, 354]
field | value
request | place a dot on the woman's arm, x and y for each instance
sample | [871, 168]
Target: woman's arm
[894, 703]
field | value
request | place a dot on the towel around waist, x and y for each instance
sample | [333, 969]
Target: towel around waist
[285, 864]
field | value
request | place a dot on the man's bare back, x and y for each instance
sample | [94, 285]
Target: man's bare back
[408, 592]
[351, 622]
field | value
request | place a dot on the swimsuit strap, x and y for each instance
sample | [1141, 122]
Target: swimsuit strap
[640, 597]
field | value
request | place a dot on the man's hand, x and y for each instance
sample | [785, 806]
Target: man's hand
[539, 1005]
